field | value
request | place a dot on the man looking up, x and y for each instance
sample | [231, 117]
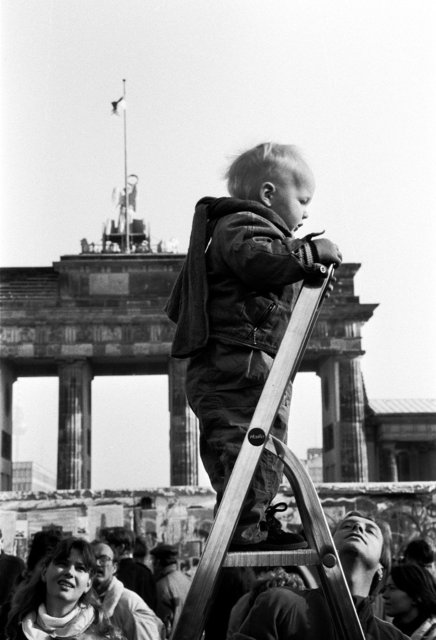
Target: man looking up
[126, 610]
[283, 614]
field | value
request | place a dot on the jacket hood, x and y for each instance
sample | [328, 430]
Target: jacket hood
[218, 207]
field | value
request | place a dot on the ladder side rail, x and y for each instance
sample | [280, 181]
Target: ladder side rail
[313, 317]
[318, 534]
[193, 616]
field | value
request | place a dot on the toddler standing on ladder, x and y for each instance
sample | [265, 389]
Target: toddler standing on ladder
[232, 303]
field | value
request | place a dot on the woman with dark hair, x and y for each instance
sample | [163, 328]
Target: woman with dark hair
[58, 601]
[410, 599]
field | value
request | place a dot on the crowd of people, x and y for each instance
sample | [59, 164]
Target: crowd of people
[71, 588]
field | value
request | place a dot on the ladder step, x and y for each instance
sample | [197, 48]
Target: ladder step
[271, 558]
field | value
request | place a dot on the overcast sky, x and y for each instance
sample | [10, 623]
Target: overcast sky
[351, 82]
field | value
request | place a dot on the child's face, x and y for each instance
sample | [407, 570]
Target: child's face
[290, 198]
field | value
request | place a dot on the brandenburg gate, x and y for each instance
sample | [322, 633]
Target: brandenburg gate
[102, 314]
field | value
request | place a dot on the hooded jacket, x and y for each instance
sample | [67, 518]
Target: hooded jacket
[240, 279]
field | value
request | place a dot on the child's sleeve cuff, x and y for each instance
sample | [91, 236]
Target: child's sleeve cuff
[307, 255]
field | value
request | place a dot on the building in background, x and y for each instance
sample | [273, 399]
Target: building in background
[97, 314]
[30, 476]
[313, 464]
[401, 440]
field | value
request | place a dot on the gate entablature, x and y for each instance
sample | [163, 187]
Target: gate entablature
[102, 314]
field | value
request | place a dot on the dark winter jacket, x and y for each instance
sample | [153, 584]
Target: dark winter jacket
[240, 279]
[138, 578]
[283, 614]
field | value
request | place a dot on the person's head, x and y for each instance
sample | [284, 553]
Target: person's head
[276, 577]
[420, 551]
[119, 538]
[107, 565]
[43, 543]
[67, 575]
[277, 176]
[410, 591]
[360, 536]
[64, 581]
[140, 549]
[163, 555]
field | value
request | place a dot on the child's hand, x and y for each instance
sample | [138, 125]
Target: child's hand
[328, 253]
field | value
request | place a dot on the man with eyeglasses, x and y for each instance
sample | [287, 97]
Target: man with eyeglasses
[134, 575]
[126, 610]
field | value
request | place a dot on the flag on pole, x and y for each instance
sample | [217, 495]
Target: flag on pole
[118, 105]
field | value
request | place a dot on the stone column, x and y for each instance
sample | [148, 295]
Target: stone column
[388, 464]
[7, 379]
[345, 455]
[183, 429]
[353, 455]
[74, 445]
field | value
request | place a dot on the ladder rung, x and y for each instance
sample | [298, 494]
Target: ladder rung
[271, 558]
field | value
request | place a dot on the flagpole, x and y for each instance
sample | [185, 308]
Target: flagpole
[125, 170]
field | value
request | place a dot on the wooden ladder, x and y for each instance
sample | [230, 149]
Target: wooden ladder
[321, 550]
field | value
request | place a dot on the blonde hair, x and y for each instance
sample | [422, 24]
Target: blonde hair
[265, 162]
